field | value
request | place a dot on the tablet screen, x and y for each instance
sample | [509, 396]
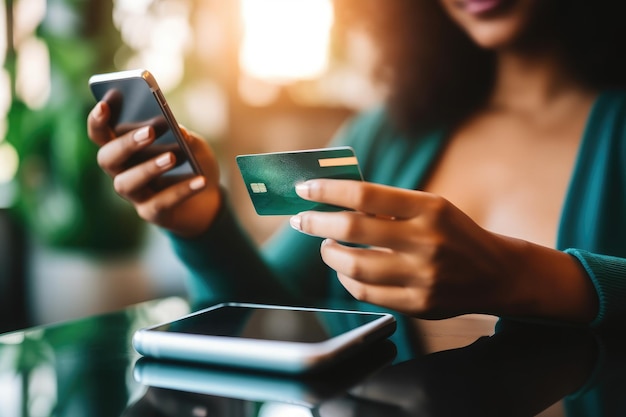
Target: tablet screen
[269, 323]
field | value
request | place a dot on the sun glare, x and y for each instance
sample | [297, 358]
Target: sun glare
[285, 40]
[9, 161]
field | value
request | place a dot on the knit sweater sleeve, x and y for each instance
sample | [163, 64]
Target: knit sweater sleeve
[225, 265]
[608, 275]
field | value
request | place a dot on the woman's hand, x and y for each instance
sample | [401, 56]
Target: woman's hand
[186, 208]
[420, 255]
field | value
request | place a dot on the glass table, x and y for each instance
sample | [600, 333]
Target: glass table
[457, 367]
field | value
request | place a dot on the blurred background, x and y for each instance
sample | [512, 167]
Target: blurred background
[248, 75]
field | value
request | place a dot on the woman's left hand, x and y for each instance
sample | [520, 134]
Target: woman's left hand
[417, 253]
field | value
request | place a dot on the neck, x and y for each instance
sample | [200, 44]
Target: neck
[531, 82]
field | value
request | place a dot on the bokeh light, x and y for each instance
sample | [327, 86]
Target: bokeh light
[9, 159]
[158, 35]
[285, 40]
[33, 83]
[9, 162]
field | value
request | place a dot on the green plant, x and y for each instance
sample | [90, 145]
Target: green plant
[64, 199]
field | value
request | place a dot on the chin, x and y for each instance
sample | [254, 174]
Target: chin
[503, 25]
[495, 35]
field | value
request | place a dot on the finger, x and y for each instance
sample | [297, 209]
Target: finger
[204, 155]
[98, 128]
[398, 298]
[368, 265]
[367, 197]
[161, 204]
[193, 140]
[196, 145]
[412, 301]
[132, 183]
[359, 228]
[115, 155]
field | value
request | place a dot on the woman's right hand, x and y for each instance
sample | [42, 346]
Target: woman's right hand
[186, 208]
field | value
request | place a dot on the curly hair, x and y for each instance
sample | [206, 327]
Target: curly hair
[436, 75]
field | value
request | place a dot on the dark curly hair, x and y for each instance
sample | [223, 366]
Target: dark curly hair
[437, 76]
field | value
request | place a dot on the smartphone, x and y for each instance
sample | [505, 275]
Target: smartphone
[294, 340]
[136, 100]
[271, 178]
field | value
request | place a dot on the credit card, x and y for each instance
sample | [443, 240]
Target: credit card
[271, 178]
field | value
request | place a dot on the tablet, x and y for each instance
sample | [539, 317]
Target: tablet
[265, 337]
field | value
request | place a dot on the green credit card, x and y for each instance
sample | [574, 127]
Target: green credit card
[271, 178]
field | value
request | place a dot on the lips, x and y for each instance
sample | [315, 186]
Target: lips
[482, 7]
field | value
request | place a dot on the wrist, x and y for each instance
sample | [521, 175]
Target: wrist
[550, 285]
[202, 212]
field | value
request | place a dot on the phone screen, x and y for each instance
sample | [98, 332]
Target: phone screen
[135, 103]
[269, 323]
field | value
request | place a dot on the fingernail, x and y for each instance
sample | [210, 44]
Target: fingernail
[164, 160]
[142, 135]
[197, 183]
[303, 189]
[296, 222]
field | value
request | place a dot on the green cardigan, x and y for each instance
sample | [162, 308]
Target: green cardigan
[226, 265]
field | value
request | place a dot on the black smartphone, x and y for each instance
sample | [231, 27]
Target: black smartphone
[282, 339]
[136, 100]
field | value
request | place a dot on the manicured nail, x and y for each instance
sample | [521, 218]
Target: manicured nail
[303, 189]
[197, 183]
[164, 160]
[296, 222]
[142, 135]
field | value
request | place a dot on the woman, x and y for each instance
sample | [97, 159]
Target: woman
[494, 175]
